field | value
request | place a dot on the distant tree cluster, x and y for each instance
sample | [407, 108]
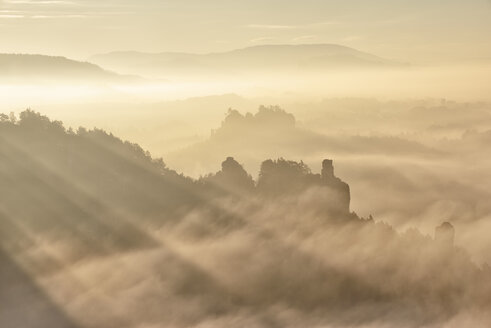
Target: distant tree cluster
[266, 119]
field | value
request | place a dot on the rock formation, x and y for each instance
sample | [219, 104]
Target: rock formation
[339, 188]
[445, 234]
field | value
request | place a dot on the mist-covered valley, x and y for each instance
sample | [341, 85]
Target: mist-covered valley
[97, 226]
[240, 224]
[264, 164]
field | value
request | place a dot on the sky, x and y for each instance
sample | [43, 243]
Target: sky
[417, 31]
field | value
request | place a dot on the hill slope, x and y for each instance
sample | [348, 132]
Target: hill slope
[40, 68]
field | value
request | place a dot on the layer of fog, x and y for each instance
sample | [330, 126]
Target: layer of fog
[408, 163]
[411, 163]
[95, 233]
[418, 144]
[460, 81]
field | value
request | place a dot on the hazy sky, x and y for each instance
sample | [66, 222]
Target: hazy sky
[415, 31]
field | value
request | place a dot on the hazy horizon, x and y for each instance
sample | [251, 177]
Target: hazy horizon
[416, 32]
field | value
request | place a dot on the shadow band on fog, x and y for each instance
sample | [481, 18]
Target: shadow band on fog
[23, 304]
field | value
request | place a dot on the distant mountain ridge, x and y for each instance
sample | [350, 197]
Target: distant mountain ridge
[262, 57]
[42, 68]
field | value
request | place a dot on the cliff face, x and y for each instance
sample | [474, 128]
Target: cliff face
[340, 190]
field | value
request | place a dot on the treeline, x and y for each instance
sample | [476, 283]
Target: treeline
[119, 171]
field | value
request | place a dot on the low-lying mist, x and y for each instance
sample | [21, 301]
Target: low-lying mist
[97, 233]
[244, 222]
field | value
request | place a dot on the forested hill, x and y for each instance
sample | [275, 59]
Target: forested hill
[83, 185]
[51, 176]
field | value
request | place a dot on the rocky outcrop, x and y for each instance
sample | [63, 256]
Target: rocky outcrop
[231, 179]
[340, 190]
[445, 234]
[282, 178]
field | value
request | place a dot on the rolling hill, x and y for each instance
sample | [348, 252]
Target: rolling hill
[40, 68]
[262, 58]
